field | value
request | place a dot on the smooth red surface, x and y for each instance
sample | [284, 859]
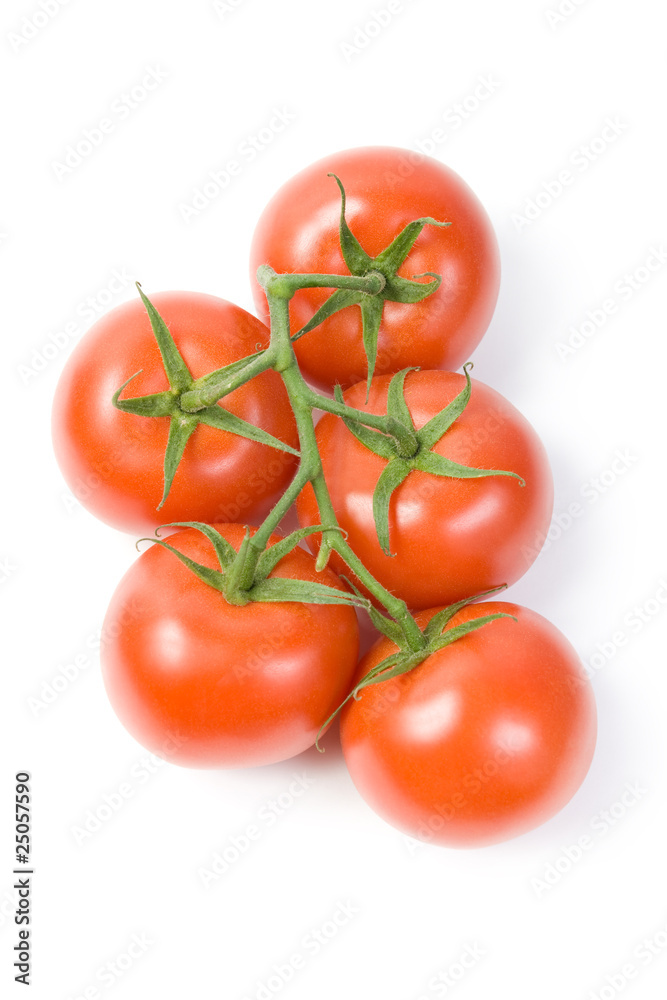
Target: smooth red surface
[386, 189]
[205, 684]
[452, 538]
[485, 740]
[113, 461]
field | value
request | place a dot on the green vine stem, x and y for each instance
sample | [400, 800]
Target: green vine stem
[243, 575]
[303, 400]
[213, 387]
[371, 281]
[406, 439]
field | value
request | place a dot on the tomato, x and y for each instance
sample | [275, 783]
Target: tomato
[484, 740]
[113, 461]
[451, 538]
[207, 684]
[386, 189]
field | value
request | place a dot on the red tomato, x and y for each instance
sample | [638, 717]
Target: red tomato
[386, 189]
[451, 537]
[484, 740]
[206, 684]
[113, 461]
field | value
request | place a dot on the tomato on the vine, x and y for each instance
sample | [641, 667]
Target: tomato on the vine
[486, 739]
[113, 461]
[209, 684]
[449, 537]
[387, 189]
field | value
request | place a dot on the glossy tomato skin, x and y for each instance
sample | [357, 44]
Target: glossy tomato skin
[386, 188]
[205, 684]
[113, 461]
[485, 740]
[452, 538]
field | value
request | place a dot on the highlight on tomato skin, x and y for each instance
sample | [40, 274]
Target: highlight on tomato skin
[484, 741]
[209, 685]
[387, 188]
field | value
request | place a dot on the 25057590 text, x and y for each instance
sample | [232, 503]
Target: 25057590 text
[22, 913]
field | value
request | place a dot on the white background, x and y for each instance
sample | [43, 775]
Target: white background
[410, 911]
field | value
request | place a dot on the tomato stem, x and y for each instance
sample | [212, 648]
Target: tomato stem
[285, 285]
[199, 398]
[243, 577]
[303, 400]
[405, 437]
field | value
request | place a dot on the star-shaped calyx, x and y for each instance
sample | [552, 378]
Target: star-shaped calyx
[413, 449]
[228, 579]
[387, 263]
[436, 635]
[182, 424]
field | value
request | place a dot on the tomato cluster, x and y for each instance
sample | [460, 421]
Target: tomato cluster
[419, 492]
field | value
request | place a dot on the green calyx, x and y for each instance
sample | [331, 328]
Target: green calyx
[183, 388]
[406, 448]
[244, 576]
[436, 637]
[386, 264]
